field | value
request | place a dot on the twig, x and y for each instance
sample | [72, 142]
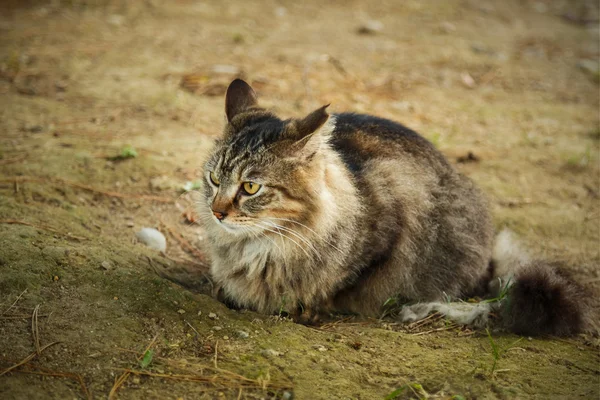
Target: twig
[429, 319]
[229, 375]
[14, 302]
[18, 158]
[212, 379]
[333, 324]
[118, 382]
[48, 372]
[148, 347]
[89, 188]
[21, 316]
[28, 358]
[216, 353]
[34, 329]
[42, 227]
[194, 329]
[121, 379]
[445, 328]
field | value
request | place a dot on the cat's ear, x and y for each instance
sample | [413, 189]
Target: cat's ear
[312, 121]
[314, 131]
[240, 96]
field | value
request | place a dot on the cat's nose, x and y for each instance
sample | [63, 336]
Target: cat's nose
[219, 214]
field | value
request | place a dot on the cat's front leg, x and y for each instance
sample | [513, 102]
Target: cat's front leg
[312, 315]
[306, 316]
[218, 293]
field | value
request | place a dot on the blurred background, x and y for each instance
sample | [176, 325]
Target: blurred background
[107, 108]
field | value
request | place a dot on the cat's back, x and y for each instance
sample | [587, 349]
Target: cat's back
[360, 138]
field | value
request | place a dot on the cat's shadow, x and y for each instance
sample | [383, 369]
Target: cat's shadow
[196, 279]
[193, 277]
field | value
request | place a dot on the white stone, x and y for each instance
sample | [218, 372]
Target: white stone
[152, 238]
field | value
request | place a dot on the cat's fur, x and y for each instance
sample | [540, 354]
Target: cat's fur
[354, 210]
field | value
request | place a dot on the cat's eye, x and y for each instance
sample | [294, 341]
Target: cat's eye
[251, 187]
[214, 179]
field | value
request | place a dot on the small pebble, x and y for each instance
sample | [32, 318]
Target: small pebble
[130, 224]
[286, 395]
[447, 27]
[212, 315]
[226, 69]
[243, 334]
[319, 347]
[181, 311]
[199, 313]
[217, 328]
[591, 67]
[105, 265]
[270, 353]
[34, 128]
[225, 337]
[116, 19]
[370, 28]
[152, 238]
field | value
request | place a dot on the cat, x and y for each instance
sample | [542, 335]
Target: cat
[340, 213]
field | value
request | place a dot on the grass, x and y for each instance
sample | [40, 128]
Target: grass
[133, 86]
[498, 351]
[126, 153]
[416, 389]
[580, 160]
[190, 186]
[147, 359]
[503, 292]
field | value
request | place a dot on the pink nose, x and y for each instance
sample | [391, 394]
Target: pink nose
[219, 214]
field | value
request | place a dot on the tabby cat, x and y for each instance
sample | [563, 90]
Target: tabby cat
[341, 213]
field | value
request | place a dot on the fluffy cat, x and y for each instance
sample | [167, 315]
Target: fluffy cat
[341, 213]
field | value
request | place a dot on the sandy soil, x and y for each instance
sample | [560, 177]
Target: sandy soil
[515, 83]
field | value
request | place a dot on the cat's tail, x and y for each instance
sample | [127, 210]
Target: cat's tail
[531, 297]
[536, 297]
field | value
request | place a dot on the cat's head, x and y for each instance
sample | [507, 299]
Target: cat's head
[264, 170]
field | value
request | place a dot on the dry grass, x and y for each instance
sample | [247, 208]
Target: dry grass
[217, 378]
[123, 377]
[68, 235]
[101, 74]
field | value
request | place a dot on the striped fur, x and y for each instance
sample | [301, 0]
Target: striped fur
[353, 210]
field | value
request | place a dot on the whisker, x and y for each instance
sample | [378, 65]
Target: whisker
[287, 237]
[299, 236]
[319, 236]
[261, 235]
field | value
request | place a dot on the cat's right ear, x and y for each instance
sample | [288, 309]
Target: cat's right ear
[240, 96]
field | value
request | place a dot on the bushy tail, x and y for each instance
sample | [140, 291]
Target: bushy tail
[531, 296]
[536, 296]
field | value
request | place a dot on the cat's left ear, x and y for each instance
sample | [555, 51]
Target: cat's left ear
[240, 96]
[312, 121]
[314, 130]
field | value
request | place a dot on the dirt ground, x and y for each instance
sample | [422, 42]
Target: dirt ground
[85, 84]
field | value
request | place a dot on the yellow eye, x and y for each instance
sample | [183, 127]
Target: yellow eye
[251, 187]
[213, 179]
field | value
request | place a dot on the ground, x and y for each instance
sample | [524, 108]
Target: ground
[107, 108]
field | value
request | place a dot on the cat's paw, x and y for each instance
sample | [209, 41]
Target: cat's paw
[218, 293]
[306, 316]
